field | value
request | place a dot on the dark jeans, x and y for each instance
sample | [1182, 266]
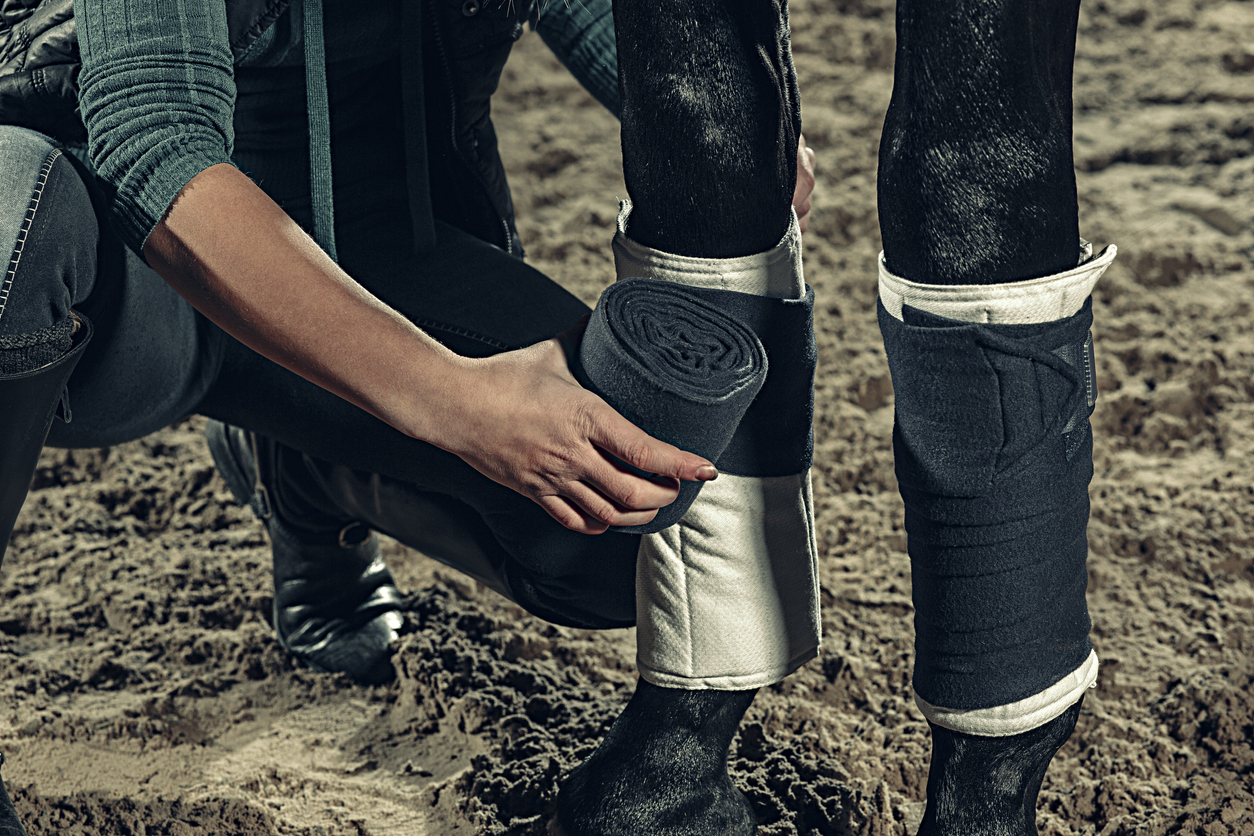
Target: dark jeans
[154, 360]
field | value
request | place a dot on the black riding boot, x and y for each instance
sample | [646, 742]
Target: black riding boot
[30, 401]
[437, 525]
[9, 823]
[987, 786]
[336, 607]
[661, 770]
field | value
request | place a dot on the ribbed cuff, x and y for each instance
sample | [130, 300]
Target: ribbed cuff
[23, 353]
[145, 194]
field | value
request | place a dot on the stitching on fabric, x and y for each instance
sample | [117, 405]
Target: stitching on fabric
[807, 501]
[27, 221]
[432, 325]
[267, 17]
[1090, 379]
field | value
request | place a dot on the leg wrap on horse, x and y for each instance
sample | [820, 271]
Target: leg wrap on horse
[727, 598]
[994, 386]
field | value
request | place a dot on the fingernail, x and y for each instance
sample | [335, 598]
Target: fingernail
[707, 473]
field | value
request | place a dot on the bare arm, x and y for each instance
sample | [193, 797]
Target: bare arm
[519, 418]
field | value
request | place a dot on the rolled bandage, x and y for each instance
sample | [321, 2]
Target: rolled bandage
[675, 365]
[994, 386]
[727, 598]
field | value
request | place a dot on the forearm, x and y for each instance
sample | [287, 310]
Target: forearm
[232, 252]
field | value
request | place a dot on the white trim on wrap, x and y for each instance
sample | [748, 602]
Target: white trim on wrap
[776, 273]
[1046, 299]
[728, 598]
[758, 679]
[1017, 717]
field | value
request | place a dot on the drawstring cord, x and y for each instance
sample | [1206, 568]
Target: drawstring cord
[321, 196]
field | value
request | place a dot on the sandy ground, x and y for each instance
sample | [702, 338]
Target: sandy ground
[141, 691]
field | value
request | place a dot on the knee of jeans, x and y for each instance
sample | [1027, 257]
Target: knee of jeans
[48, 233]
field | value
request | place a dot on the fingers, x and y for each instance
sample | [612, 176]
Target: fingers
[603, 510]
[605, 492]
[571, 515]
[588, 512]
[550, 440]
[619, 437]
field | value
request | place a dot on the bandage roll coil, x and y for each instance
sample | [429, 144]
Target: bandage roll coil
[675, 365]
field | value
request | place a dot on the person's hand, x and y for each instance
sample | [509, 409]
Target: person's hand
[805, 182]
[522, 420]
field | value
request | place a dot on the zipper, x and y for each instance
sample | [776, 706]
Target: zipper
[452, 100]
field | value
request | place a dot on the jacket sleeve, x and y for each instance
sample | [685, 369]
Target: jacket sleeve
[581, 34]
[157, 94]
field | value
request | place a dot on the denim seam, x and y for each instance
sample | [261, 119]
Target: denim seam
[27, 222]
[428, 324]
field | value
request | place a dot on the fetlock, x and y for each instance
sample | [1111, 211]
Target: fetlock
[336, 606]
[987, 786]
[661, 770]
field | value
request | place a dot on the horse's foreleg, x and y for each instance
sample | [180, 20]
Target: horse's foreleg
[727, 597]
[976, 184]
[710, 124]
[993, 376]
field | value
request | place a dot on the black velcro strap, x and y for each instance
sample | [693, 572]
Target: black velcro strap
[776, 436]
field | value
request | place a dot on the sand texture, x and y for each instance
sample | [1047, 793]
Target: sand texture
[141, 691]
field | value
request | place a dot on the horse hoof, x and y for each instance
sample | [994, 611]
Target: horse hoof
[661, 770]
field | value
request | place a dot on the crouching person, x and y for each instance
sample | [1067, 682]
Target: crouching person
[372, 349]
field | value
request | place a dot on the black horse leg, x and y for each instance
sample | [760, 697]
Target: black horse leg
[710, 123]
[976, 184]
[976, 187]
